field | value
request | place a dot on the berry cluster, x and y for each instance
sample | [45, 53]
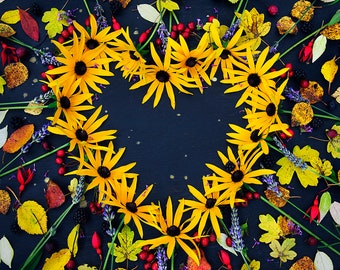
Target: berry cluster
[205, 240]
[67, 33]
[147, 255]
[96, 208]
[44, 87]
[181, 29]
[248, 196]
[60, 161]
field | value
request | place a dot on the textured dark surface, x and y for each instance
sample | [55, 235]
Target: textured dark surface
[170, 146]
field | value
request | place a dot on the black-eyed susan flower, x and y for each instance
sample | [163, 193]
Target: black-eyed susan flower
[80, 65]
[253, 76]
[84, 134]
[123, 198]
[103, 170]
[130, 61]
[247, 139]
[230, 181]
[264, 114]
[207, 206]
[174, 231]
[94, 39]
[70, 102]
[163, 76]
[195, 62]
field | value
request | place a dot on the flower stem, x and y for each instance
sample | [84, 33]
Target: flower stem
[111, 249]
[328, 116]
[19, 42]
[23, 107]
[31, 161]
[295, 221]
[12, 103]
[87, 7]
[173, 261]
[224, 226]
[237, 11]
[325, 112]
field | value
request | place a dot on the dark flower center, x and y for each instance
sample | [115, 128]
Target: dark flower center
[133, 56]
[162, 76]
[103, 171]
[254, 136]
[224, 54]
[254, 80]
[191, 62]
[271, 109]
[65, 102]
[131, 206]
[92, 44]
[173, 230]
[82, 135]
[210, 203]
[80, 68]
[237, 176]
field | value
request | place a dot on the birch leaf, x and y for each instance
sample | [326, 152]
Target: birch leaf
[32, 218]
[149, 13]
[6, 252]
[11, 16]
[2, 115]
[334, 210]
[72, 240]
[3, 136]
[329, 69]
[322, 261]
[222, 242]
[319, 47]
[325, 204]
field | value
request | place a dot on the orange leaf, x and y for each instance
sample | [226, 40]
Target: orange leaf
[54, 196]
[18, 138]
[29, 25]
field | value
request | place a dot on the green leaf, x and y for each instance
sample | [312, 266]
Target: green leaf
[128, 250]
[335, 19]
[319, 47]
[325, 204]
[54, 22]
[2, 83]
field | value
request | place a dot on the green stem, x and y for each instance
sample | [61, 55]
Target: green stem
[9, 163]
[87, 7]
[173, 261]
[224, 226]
[12, 103]
[22, 107]
[245, 261]
[111, 249]
[236, 11]
[46, 237]
[31, 161]
[295, 221]
[319, 224]
[175, 17]
[329, 116]
[325, 112]
[19, 42]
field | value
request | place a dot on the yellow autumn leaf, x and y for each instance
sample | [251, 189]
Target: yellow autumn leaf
[86, 267]
[329, 69]
[72, 240]
[32, 218]
[283, 251]
[11, 16]
[2, 84]
[254, 265]
[58, 260]
[268, 223]
[333, 146]
[6, 31]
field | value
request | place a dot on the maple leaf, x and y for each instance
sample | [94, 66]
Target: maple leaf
[127, 249]
[268, 223]
[54, 22]
[2, 83]
[333, 145]
[58, 260]
[283, 251]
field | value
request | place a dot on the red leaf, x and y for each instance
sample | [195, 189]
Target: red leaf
[29, 25]
[54, 196]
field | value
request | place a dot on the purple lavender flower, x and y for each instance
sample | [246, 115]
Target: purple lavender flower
[236, 231]
[294, 95]
[271, 181]
[101, 20]
[108, 216]
[231, 31]
[163, 34]
[161, 258]
[37, 137]
[46, 58]
[273, 49]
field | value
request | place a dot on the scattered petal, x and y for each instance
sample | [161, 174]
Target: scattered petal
[322, 261]
[319, 47]
[334, 210]
[6, 251]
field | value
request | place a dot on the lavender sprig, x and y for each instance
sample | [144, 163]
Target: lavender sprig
[294, 95]
[46, 57]
[163, 34]
[108, 216]
[231, 30]
[37, 137]
[161, 258]
[101, 19]
[298, 162]
[270, 180]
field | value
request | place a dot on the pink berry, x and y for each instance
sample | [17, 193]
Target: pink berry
[59, 160]
[256, 195]
[44, 88]
[61, 170]
[312, 241]
[332, 133]
[61, 153]
[273, 10]
[304, 83]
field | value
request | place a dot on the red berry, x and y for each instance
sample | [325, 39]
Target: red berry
[70, 265]
[212, 237]
[291, 133]
[147, 266]
[65, 34]
[61, 153]
[256, 195]
[245, 202]
[70, 29]
[191, 26]
[174, 28]
[186, 34]
[21, 52]
[312, 241]
[115, 24]
[61, 39]
[197, 239]
[290, 74]
[273, 10]
[87, 21]
[211, 18]
[204, 241]
[59, 160]
[283, 136]
[45, 145]
[289, 66]
[173, 35]
[229, 241]
[146, 248]
[143, 37]
[304, 83]
[154, 266]
[150, 257]
[143, 255]
[43, 75]
[283, 75]
[180, 27]
[44, 88]
[61, 170]
[249, 195]
[158, 42]
[332, 133]
[272, 69]
[49, 67]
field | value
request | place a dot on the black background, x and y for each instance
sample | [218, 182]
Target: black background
[170, 146]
